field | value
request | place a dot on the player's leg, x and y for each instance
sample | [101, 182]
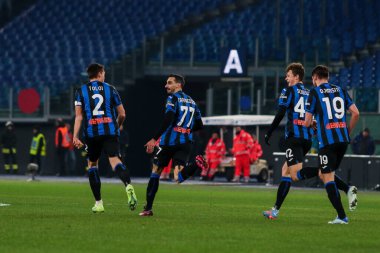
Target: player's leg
[204, 173]
[94, 151]
[282, 192]
[351, 191]
[328, 159]
[161, 159]
[183, 168]
[111, 148]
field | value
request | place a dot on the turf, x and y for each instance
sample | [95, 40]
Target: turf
[56, 217]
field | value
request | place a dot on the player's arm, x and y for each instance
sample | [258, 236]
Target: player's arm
[77, 124]
[354, 117]
[168, 120]
[198, 123]
[308, 119]
[171, 106]
[120, 115]
[310, 108]
[283, 103]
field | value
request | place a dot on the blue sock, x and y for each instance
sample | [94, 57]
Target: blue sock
[151, 190]
[122, 172]
[95, 184]
[282, 191]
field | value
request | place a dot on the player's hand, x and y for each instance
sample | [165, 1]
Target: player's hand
[149, 146]
[314, 124]
[77, 143]
[267, 137]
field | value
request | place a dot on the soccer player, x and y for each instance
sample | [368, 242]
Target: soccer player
[328, 103]
[98, 106]
[182, 118]
[298, 137]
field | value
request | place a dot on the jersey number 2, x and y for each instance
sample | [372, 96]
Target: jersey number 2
[96, 111]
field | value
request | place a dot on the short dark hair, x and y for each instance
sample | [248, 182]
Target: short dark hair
[321, 71]
[179, 79]
[297, 69]
[94, 69]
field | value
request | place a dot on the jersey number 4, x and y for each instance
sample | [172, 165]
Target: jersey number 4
[185, 110]
[300, 107]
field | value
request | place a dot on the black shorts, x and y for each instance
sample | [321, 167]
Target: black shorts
[296, 149]
[108, 143]
[331, 156]
[179, 153]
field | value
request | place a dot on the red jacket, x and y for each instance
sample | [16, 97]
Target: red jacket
[215, 150]
[256, 151]
[243, 143]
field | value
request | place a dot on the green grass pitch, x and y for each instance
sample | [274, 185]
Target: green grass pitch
[56, 217]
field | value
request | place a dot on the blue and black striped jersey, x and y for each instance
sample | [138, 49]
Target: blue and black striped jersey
[293, 98]
[329, 103]
[186, 112]
[98, 101]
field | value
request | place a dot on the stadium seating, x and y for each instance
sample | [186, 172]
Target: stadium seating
[52, 42]
[241, 28]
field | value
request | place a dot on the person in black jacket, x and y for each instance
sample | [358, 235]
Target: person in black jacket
[9, 141]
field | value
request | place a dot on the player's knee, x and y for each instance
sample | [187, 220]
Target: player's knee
[294, 177]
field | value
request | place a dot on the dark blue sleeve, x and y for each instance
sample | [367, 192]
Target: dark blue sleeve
[78, 99]
[285, 98]
[347, 99]
[311, 102]
[116, 97]
[171, 104]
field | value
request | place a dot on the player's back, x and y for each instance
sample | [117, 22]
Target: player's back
[329, 104]
[294, 99]
[99, 101]
[186, 112]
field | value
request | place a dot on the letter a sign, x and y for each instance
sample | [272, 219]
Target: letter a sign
[233, 63]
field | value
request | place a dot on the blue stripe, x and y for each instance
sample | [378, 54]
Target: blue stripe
[330, 138]
[299, 175]
[180, 177]
[335, 119]
[336, 188]
[108, 108]
[95, 171]
[87, 110]
[295, 114]
[96, 91]
[286, 179]
[154, 175]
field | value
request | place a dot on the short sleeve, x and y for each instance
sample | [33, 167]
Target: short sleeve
[78, 99]
[198, 114]
[171, 104]
[347, 99]
[311, 102]
[285, 98]
[116, 97]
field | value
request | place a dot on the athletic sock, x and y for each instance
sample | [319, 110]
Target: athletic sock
[307, 172]
[282, 191]
[122, 172]
[93, 177]
[334, 197]
[187, 171]
[341, 184]
[151, 190]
